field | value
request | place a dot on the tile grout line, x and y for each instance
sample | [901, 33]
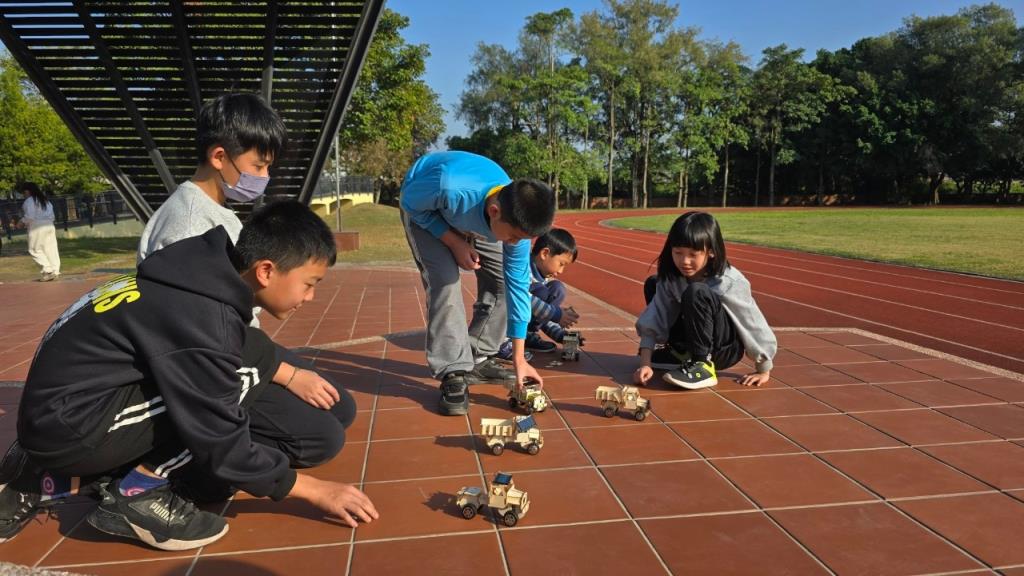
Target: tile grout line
[867, 488]
[322, 315]
[355, 317]
[483, 478]
[736, 487]
[63, 537]
[366, 451]
[611, 490]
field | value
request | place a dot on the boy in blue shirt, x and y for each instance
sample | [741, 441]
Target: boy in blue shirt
[551, 255]
[461, 210]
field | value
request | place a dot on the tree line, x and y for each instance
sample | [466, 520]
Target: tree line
[622, 102]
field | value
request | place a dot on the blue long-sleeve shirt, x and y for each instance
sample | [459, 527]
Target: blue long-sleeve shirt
[448, 191]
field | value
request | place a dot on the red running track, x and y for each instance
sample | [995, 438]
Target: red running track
[978, 318]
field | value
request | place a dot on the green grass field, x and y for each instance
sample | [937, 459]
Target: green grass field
[986, 241]
[381, 238]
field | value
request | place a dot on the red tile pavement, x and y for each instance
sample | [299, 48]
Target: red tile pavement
[860, 456]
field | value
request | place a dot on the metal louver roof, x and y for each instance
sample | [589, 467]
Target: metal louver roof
[128, 76]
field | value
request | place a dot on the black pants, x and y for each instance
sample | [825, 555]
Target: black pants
[309, 436]
[703, 328]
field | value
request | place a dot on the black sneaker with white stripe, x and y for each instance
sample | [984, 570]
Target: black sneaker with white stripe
[20, 497]
[158, 517]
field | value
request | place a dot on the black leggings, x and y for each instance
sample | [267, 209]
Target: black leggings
[309, 436]
[703, 328]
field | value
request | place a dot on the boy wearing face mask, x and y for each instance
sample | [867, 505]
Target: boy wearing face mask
[238, 138]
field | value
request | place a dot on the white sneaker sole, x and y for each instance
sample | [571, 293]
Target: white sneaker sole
[708, 383]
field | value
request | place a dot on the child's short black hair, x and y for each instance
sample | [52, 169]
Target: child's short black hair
[697, 231]
[557, 241]
[288, 234]
[528, 205]
[239, 123]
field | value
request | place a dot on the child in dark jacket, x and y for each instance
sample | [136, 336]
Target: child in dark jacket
[155, 372]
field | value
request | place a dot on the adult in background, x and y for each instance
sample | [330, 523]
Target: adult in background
[37, 214]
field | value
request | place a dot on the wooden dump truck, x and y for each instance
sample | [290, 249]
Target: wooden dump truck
[613, 398]
[508, 502]
[529, 397]
[520, 430]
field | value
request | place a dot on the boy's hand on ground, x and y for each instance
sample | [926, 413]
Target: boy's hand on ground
[643, 375]
[312, 388]
[755, 379]
[569, 317]
[343, 500]
[527, 374]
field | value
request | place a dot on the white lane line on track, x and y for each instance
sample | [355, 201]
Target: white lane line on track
[842, 292]
[732, 257]
[823, 260]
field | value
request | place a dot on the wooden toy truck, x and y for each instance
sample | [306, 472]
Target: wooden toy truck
[529, 397]
[627, 397]
[509, 502]
[520, 430]
[572, 341]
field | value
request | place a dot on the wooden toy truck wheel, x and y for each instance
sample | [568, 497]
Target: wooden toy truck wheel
[533, 449]
[510, 518]
[497, 449]
[640, 415]
[609, 411]
[468, 511]
[513, 403]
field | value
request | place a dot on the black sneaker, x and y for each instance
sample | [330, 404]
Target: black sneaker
[454, 395]
[20, 498]
[158, 517]
[693, 375]
[537, 344]
[668, 358]
[490, 370]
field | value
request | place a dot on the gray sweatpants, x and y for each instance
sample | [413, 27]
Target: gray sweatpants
[450, 346]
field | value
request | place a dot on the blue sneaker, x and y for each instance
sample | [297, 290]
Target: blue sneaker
[505, 352]
[537, 344]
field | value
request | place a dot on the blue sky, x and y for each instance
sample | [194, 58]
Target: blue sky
[453, 28]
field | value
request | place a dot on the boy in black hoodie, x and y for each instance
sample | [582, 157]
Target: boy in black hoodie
[155, 371]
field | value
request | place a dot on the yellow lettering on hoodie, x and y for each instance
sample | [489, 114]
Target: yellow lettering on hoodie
[111, 302]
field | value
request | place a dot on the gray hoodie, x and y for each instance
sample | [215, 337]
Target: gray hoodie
[733, 290]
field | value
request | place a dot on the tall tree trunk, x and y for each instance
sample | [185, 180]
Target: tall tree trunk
[633, 170]
[757, 177]
[771, 175]
[934, 183]
[611, 147]
[585, 201]
[679, 199]
[647, 152]
[725, 178]
[821, 183]
[686, 188]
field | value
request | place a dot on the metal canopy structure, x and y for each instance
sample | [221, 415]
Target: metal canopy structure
[127, 77]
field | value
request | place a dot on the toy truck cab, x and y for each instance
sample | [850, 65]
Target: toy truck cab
[508, 502]
[529, 397]
[572, 341]
[613, 398]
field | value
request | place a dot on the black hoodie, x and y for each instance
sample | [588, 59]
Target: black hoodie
[178, 325]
